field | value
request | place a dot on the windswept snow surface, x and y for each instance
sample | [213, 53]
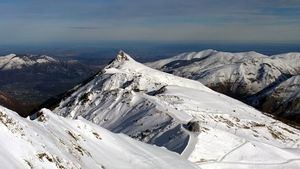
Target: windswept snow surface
[248, 76]
[12, 61]
[209, 128]
[51, 141]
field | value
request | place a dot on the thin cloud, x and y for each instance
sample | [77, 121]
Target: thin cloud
[37, 20]
[86, 27]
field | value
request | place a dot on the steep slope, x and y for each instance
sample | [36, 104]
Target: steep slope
[283, 100]
[51, 141]
[249, 76]
[184, 116]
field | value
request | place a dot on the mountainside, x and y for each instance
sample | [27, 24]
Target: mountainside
[206, 127]
[51, 141]
[32, 79]
[9, 102]
[269, 83]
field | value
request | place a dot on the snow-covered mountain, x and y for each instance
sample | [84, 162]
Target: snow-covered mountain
[206, 127]
[269, 83]
[13, 61]
[51, 141]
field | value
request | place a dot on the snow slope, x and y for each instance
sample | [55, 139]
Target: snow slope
[51, 141]
[206, 127]
[247, 76]
[12, 61]
[290, 59]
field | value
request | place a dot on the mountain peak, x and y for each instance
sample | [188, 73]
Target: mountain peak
[122, 56]
[119, 60]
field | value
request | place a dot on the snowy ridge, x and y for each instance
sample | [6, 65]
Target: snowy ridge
[206, 127]
[54, 142]
[12, 61]
[247, 76]
[292, 59]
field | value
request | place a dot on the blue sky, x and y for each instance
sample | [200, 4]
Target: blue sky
[88, 21]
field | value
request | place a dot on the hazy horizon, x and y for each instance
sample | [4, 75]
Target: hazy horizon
[142, 51]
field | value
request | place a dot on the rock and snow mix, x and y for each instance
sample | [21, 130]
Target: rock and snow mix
[267, 82]
[206, 127]
[51, 141]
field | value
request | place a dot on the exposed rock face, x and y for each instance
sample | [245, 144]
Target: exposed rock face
[269, 83]
[193, 126]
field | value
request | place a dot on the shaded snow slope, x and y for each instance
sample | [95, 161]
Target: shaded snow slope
[183, 115]
[247, 76]
[283, 99]
[12, 61]
[51, 141]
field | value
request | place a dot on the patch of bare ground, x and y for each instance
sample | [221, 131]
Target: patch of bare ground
[52, 159]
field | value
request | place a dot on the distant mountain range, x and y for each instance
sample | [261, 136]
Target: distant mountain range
[12, 61]
[269, 83]
[32, 79]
